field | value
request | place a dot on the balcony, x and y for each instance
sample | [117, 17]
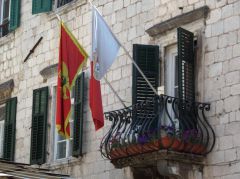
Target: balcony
[164, 128]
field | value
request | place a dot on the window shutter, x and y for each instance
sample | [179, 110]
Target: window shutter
[39, 126]
[186, 65]
[14, 14]
[147, 58]
[39, 6]
[10, 129]
[78, 116]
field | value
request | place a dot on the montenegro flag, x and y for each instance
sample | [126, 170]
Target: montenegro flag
[72, 57]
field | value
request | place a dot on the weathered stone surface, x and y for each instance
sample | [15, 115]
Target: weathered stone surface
[175, 22]
[49, 71]
[5, 90]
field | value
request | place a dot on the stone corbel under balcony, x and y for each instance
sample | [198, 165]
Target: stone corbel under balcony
[153, 132]
[6, 90]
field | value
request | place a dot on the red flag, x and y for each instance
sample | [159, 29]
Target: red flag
[95, 101]
[71, 60]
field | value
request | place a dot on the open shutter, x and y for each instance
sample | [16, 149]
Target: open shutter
[147, 58]
[10, 130]
[78, 116]
[186, 65]
[39, 126]
[14, 14]
[186, 79]
[39, 6]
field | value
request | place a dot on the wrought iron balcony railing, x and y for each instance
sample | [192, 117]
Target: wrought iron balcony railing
[162, 123]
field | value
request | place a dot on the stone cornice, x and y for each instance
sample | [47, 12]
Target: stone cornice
[49, 71]
[178, 21]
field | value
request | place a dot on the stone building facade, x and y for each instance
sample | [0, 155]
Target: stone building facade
[216, 27]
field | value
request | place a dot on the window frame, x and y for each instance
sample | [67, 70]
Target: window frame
[171, 66]
[2, 123]
[56, 2]
[5, 21]
[55, 133]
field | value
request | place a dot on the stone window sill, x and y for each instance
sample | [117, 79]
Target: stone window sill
[66, 8]
[62, 162]
[8, 38]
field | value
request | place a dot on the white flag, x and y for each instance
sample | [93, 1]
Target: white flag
[105, 45]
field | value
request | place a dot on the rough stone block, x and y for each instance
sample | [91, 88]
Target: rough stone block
[215, 16]
[217, 28]
[231, 103]
[231, 23]
[236, 51]
[232, 78]
[215, 69]
[226, 142]
[227, 11]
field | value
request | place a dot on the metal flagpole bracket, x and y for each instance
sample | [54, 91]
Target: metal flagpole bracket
[32, 50]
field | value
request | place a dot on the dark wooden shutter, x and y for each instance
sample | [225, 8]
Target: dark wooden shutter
[78, 116]
[147, 58]
[15, 14]
[39, 126]
[39, 6]
[10, 129]
[186, 65]
[186, 82]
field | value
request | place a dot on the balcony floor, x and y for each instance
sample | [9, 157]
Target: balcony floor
[151, 158]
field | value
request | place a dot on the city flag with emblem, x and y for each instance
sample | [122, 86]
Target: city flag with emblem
[72, 57]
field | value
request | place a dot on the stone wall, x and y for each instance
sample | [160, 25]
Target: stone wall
[218, 75]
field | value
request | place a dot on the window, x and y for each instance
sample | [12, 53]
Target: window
[171, 72]
[4, 17]
[39, 6]
[65, 148]
[39, 126]
[9, 16]
[2, 119]
[60, 3]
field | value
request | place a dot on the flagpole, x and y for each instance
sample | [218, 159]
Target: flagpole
[131, 58]
[107, 82]
[114, 92]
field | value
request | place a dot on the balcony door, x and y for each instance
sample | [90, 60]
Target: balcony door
[171, 82]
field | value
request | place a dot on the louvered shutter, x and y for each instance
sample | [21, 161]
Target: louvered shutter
[186, 65]
[186, 82]
[10, 129]
[147, 58]
[39, 6]
[15, 14]
[39, 126]
[78, 116]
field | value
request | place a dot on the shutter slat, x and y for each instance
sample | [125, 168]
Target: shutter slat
[147, 58]
[10, 130]
[39, 126]
[78, 116]
[15, 14]
[186, 65]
